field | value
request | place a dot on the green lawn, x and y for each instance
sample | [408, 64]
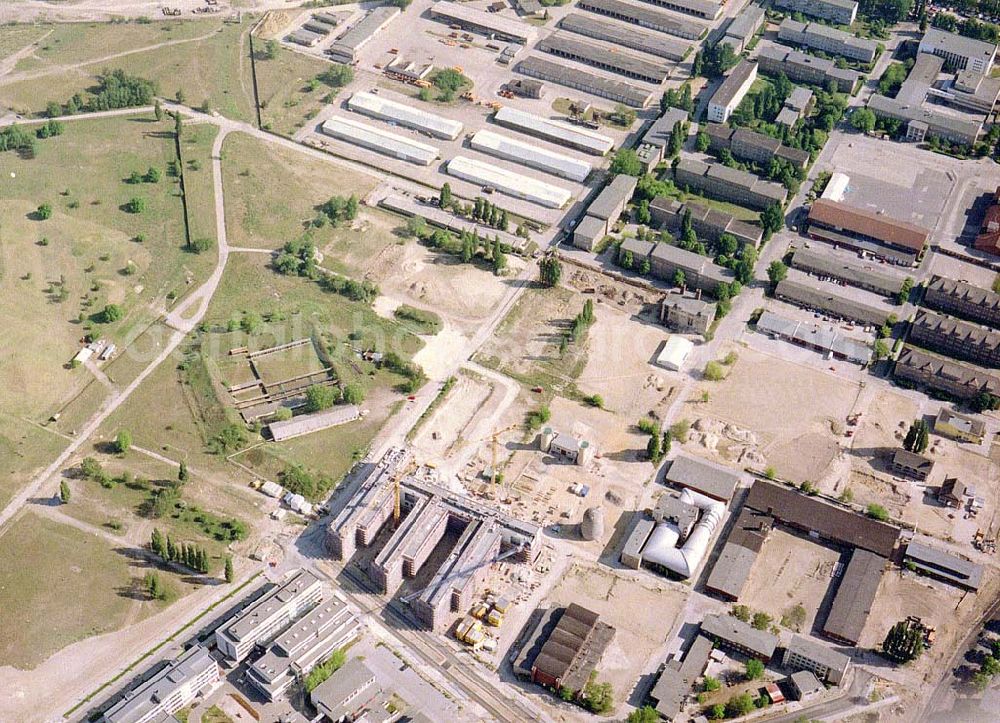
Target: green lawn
[196, 149]
[15, 37]
[286, 99]
[25, 450]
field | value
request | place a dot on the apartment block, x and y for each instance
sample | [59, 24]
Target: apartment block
[263, 619]
[842, 12]
[818, 36]
[729, 184]
[800, 67]
[169, 690]
[742, 29]
[960, 298]
[956, 338]
[827, 664]
[708, 223]
[958, 379]
[687, 314]
[752, 146]
[732, 91]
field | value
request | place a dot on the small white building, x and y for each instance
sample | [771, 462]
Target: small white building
[566, 446]
[272, 489]
[675, 352]
[84, 355]
[298, 503]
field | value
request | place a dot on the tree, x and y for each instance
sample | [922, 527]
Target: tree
[319, 397]
[499, 258]
[984, 401]
[863, 120]
[158, 110]
[445, 197]
[229, 569]
[701, 141]
[646, 714]
[676, 142]
[123, 441]
[158, 543]
[550, 271]
[877, 512]
[354, 393]
[679, 279]
[64, 493]
[136, 204]
[714, 371]
[772, 219]
[761, 621]
[776, 272]
[626, 260]
[152, 175]
[880, 350]
[44, 212]
[711, 684]
[754, 669]
[337, 75]
[653, 449]
[741, 613]
[270, 50]
[904, 642]
[182, 473]
[154, 588]
[917, 437]
[178, 123]
[599, 697]
[626, 162]
[416, 226]
[740, 705]
[904, 291]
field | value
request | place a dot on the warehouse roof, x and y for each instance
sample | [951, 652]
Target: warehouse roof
[737, 633]
[868, 223]
[923, 364]
[814, 514]
[612, 197]
[492, 21]
[513, 184]
[587, 82]
[576, 630]
[405, 115]
[953, 568]
[731, 86]
[530, 155]
[609, 58]
[675, 682]
[703, 476]
[555, 130]
[629, 37]
[379, 139]
[814, 336]
[363, 30]
[827, 297]
[732, 569]
[855, 596]
[648, 17]
[825, 261]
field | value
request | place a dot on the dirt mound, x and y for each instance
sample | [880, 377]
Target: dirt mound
[273, 23]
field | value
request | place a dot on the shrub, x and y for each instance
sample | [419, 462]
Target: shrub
[714, 371]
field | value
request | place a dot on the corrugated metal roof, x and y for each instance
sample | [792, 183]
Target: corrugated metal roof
[531, 155]
[513, 184]
[556, 131]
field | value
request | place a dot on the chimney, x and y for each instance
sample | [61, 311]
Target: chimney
[697, 294]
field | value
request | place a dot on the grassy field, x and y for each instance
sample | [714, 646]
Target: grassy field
[59, 272]
[287, 99]
[215, 68]
[272, 193]
[16, 37]
[59, 585]
[24, 450]
[196, 149]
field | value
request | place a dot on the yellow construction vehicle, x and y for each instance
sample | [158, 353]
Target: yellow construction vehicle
[495, 618]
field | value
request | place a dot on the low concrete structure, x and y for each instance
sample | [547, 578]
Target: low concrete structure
[674, 353]
[482, 22]
[567, 447]
[805, 685]
[309, 423]
[607, 207]
[599, 85]
[645, 17]
[826, 341]
[348, 691]
[829, 263]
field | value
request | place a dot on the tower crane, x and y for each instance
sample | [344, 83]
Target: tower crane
[396, 478]
[494, 440]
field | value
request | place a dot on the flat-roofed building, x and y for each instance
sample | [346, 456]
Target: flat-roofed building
[729, 184]
[659, 132]
[732, 568]
[645, 17]
[865, 230]
[805, 685]
[262, 620]
[827, 664]
[588, 232]
[855, 597]
[556, 131]
[734, 634]
[377, 106]
[800, 67]
[960, 298]
[156, 699]
[345, 48]
[702, 476]
[686, 314]
[924, 120]
[480, 21]
[305, 644]
[678, 677]
[380, 140]
[962, 381]
[528, 154]
[632, 550]
[944, 566]
[707, 222]
[956, 338]
[742, 28]
[818, 36]
[567, 45]
[346, 692]
[598, 85]
[812, 336]
[306, 38]
[704, 9]
[825, 262]
[610, 203]
[842, 12]
[795, 106]
[822, 296]
[513, 184]
[752, 146]
[732, 91]
[958, 51]
[959, 426]
[700, 272]
[625, 36]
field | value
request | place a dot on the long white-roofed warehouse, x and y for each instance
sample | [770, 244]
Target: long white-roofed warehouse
[513, 184]
[381, 141]
[565, 134]
[389, 110]
[527, 154]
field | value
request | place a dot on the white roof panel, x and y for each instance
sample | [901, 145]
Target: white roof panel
[556, 131]
[382, 141]
[389, 110]
[513, 184]
[530, 155]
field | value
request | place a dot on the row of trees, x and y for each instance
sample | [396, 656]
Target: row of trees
[490, 214]
[298, 258]
[904, 642]
[115, 89]
[969, 27]
[189, 555]
[917, 437]
[320, 397]
[677, 98]
[339, 209]
[467, 246]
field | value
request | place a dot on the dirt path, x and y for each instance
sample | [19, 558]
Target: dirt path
[8, 63]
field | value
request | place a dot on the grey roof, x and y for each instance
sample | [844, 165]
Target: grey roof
[628, 37]
[703, 476]
[611, 199]
[645, 16]
[363, 30]
[826, 297]
[591, 227]
[734, 177]
[814, 336]
[726, 92]
[731, 570]
[638, 536]
[961, 421]
[557, 131]
[744, 25]
[959, 44]
[568, 45]
[639, 248]
[806, 682]
[964, 293]
[690, 261]
[729, 630]
[799, 98]
[678, 677]
[689, 304]
[855, 596]
[307, 423]
[952, 568]
[354, 675]
[587, 82]
[925, 367]
[246, 623]
[810, 32]
[474, 17]
[663, 127]
[151, 694]
[797, 60]
[932, 325]
[818, 653]
[938, 123]
[823, 260]
[787, 117]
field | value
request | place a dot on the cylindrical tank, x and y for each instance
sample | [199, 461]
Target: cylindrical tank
[585, 454]
[592, 525]
[548, 434]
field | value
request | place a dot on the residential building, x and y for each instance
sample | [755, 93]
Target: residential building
[952, 492]
[698, 475]
[708, 223]
[842, 12]
[825, 262]
[564, 648]
[306, 643]
[959, 426]
[700, 272]
[263, 619]
[804, 685]
[687, 314]
[800, 67]
[803, 653]
[752, 146]
[818, 36]
[822, 296]
[956, 338]
[910, 464]
[864, 230]
[174, 686]
[345, 693]
[944, 566]
[729, 184]
[729, 632]
[732, 91]
[855, 597]
[604, 210]
[829, 341]
[795, 106]
[958, 379]
[988, 238]
[742, 28]
[677, 678]
[958, 51]
[960, 298]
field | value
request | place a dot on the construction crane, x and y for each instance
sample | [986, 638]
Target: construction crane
[494, 440]
[396, 478]
[510, 552]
